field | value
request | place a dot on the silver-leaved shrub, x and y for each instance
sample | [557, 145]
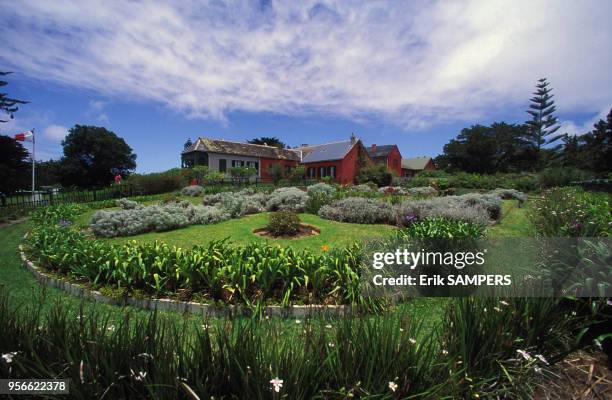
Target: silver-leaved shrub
[287, 198]
[127, 204]
[321, 190]
[192, 190]
[426, 191]
[358, 210]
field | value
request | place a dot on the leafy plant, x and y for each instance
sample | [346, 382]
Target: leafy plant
[283, 223]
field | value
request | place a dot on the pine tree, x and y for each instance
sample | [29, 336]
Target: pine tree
[187, 144]
[543, 123]
[8, 105]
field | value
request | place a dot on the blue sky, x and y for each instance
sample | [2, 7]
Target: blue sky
[413, 73]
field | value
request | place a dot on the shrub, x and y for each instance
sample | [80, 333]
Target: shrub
[390, 190]
[552, 177]
[237, 204]
[288, 198]
[425, 191]
[510, 194]
[160, 182]
[55, 214]
[126, 204]
[322, 189]
[376, 173]
[450, 207]
[358, 210]
[283, 223]
[192, 190]
[204, 215]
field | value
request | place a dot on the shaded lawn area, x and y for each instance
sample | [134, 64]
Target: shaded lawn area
[240, 231]
[514, 222]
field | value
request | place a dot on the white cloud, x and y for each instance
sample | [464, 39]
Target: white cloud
[414, 64]
[55, 132]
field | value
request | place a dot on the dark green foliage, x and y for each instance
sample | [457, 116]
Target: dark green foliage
[296, 174]
[543, 124]
[376, 173]
[283, 223]
[276, 172]
[14, 168]
[158, 182]
[93, 156]
[242, 172]
[500, 147]
[268, 141]
[8, 105]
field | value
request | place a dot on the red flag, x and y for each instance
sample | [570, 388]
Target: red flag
[23, 136]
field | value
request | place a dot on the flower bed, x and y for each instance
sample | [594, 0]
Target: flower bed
[249, 275]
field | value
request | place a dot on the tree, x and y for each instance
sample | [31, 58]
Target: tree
[187, 144]
[276, 173]
[543, 123]
[268, 141]
[377, 173]
[93, 156]
[596, 150]
[8, 105]
[14, 167]
[500, 147]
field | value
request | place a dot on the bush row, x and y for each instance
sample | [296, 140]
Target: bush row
[475, 208]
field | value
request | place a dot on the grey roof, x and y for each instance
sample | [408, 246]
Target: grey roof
[243, 149]
[380, 151]
[326, 151]
[415, 163]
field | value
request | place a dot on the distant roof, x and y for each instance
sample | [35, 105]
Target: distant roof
[243, 149]
[380, 151]
[415, 163]
[326, 151]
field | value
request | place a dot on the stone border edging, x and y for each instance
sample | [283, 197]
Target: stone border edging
[206, 310]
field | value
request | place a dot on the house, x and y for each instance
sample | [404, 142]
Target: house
[221, 155]
[388, 155]
[339, 160]
[410, 166]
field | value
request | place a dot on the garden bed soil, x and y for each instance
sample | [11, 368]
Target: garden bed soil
[305, 231]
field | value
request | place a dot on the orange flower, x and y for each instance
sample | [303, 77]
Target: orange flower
[325, 247]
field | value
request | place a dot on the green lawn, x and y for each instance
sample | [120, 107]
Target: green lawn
[514, 222]
[240, 231]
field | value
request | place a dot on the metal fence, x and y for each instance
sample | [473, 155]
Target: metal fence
[20, 203]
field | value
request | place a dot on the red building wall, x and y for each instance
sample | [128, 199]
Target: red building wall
[266, 163]
[346, 169]
[394, 161]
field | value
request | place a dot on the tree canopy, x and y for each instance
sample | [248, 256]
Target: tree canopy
[500, 147]
[8, 105]
[269, 141]
[93, 156]
[14, 166]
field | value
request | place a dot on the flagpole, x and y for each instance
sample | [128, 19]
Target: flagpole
[33, 162]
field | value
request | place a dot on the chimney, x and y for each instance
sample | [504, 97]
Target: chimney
[265, 144]
[353, 138]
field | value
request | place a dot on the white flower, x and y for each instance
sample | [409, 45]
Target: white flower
[328, 326]
[505, 303]
[393, 386]
[204, 326]
[277, 384]
[111, 328]
[412, 341]
[573, 313]
[524, 354]
[297, 321]
[497, 309]
[537, 369]
[8, 357]
[444, 352]
[330, 344]
[401, 329]
[541, 358]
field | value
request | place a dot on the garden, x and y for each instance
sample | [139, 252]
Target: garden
[264, 246]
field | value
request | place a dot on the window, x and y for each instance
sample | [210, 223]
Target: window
[312, 172]
[222, 165]
[332, 171]
[321, 172]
